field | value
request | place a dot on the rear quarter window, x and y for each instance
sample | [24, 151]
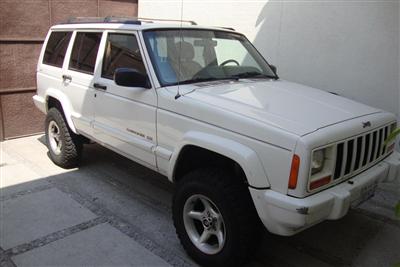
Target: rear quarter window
[56, 48]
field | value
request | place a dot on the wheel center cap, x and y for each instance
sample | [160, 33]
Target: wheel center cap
[207, 222]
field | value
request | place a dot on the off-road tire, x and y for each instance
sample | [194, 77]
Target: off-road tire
[71, 150]
[233, 200]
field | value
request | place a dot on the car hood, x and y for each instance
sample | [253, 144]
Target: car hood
[293, 107]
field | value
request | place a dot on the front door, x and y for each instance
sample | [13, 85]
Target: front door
[125, 117]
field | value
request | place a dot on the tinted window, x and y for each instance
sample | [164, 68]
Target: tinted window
[56, 48]
[84, 52]
[122, 51]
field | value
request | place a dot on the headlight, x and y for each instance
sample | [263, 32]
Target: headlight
[318, 160]
[321, 167]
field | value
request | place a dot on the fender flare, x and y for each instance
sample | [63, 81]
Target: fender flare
[65, 104]
[246, 157]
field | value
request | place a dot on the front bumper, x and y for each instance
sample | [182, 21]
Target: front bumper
[286, 215]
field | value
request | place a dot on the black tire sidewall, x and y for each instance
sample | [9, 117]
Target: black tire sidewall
[66, 159]
[51, 117]
[232, 241]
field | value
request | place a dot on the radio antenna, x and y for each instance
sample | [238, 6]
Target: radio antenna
[178, 94]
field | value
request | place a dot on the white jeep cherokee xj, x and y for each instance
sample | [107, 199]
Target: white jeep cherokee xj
[201, 106]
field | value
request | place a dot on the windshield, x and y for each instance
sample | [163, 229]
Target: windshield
[189, 56]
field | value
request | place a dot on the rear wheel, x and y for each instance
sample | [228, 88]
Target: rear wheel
[65, 147]
[215, 218]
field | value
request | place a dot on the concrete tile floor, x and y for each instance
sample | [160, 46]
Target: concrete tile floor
[98, 245]
[112, 211]
[34, 215]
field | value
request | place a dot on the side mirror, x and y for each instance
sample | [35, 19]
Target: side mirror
[273, 68]
[131, 78]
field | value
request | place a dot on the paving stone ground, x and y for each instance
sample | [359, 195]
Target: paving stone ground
[113, 212]
[34, 215]
[98, 245]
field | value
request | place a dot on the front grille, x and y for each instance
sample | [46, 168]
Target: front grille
[360, 152]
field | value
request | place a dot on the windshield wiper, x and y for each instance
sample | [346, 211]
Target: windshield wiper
[252, 74]
[203, 79]
[242, 75]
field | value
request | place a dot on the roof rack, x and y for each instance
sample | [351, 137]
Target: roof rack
[109, 19]
[122, 20]
[167, 20]
[228, 28]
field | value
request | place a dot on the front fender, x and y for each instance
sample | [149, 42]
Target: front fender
[241, 154]
[66, 105]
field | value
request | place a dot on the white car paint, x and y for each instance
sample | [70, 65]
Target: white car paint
[80, 93]
[292, 107]
[117, 116]
[258, 124]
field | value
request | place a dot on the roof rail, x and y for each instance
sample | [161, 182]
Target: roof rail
[167, 20]
[123, 20]
[228, 28]
[108, 19]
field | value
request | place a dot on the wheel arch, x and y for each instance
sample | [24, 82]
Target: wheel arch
[55, 98]
[224, 150]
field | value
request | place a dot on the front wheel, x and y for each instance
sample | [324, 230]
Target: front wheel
[215, 218]
[204, 224]
[64, 146]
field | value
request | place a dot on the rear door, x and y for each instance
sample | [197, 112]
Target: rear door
[125, 117]
[78, 78]
[50, 67]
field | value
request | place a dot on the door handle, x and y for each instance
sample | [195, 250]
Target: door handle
[99, 86]
[67, 77]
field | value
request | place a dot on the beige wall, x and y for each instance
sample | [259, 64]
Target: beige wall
[23, 26]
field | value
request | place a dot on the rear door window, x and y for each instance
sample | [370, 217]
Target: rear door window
[56, 48]
[84, 52]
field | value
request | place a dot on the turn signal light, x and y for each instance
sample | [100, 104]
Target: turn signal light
[294, 172]
[320, 182]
